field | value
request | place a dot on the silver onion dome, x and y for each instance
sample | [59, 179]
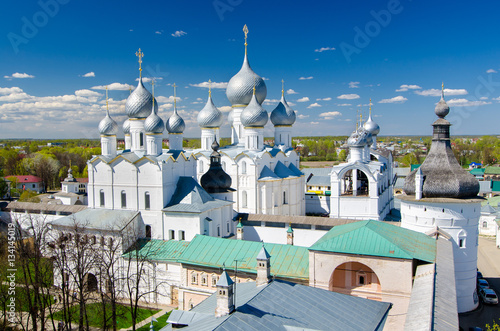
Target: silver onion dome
[108, 126]
[240, 87]
[210, 116]
[442, 109]
[154, 123]
[371, 126]
[358, 138]
[175, 123]
[283, 114]
[254, 115]
[126, 126]
[139, 102]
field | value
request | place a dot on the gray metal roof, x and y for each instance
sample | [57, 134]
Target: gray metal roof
[225, 280]
[190, 197]
[317, 171]
[282, 305]
[320, 181]
[433, 301]
[100, 219]
[485, 186]
[33, 206]
[312, 220]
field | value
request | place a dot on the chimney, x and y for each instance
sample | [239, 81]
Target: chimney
[225, 295]
[263, 267]
[289, 235]
[239, 231]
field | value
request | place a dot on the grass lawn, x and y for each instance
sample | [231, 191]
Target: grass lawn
[22, 303]
[162, 321]
[95, 315]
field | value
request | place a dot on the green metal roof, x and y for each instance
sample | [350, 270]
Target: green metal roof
[414, 166]
[377, 238]
[491, 170]
[287, 261]
[159, 250]
[477, 171]
[493, 201]
[495, 186]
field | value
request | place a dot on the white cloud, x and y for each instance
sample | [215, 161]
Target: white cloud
[324, 99]
[149, 79]
[19, 75]
[491, 71]
[159, 32]
[483, 98]
[89, 74]
[265, 78]
[171, 98]
[322, 49]
[406, 87]
[353, 84]
[290, 91]
[436, 92]
[301, 117]
[496, 99]
[87, 93]
[306, 78]
[178, 34]
[225, 109]
[466, 103]
[348, 96]
[304, 99]
[212, 84]
[344, 104]
[398, 99]
[314, 123]
[330, 115]
[271, 101]
[314, 105]
[10, 90]
[114, 87]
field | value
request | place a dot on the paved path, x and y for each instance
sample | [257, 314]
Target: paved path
[489, 264]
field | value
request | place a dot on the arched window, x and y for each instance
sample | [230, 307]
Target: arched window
[182, 235]
[462, 235]
[101, 198]
[244, 199]
[285, 200]
[124, 199]
[200, 168]
[485, 224]
[148, 231]
[141, 139]
[243, 167]
[147, 201]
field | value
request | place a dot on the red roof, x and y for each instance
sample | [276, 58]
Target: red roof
[82, 180]
[27, 179]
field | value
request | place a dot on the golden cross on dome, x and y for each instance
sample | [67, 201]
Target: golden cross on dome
[210, 87]
[175, 97]
[140, 55]
[370, 106]
[130, 89]
[254, 82]
[245, 30]
[282, 88]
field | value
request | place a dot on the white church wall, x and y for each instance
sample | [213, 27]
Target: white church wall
[317, 204]
[278, 235]
[487, 225]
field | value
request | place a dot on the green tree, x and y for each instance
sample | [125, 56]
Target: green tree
[342, 155]
[4, 188]
[29, 196]
[494, 327]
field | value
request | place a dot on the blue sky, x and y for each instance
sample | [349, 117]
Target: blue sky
[333, 56]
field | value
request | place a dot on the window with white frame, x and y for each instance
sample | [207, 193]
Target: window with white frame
[243, 167]
[194, 278]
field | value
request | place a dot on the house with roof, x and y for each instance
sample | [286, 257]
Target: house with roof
[371, 259]
[318, 186]
[487, 221]
[492, 173]
[27, 182]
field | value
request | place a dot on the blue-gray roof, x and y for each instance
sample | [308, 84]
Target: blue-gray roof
[190, 197]
[225, 280]
[282, 171]
[101, 219]
[282, 305]
[320, 181]
[267, 174]
[295, 170]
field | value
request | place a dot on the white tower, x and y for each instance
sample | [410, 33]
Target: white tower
[209, 120]
[154, 126]
[449, 202]
[283, 118]
[175, 127]
[108, 130]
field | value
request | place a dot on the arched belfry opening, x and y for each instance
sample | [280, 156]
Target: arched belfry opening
[354, 183]
[355, 278]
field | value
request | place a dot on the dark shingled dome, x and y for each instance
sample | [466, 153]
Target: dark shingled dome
[443, 176]
[216, 180]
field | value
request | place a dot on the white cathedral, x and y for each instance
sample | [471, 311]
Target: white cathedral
[164, 184]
